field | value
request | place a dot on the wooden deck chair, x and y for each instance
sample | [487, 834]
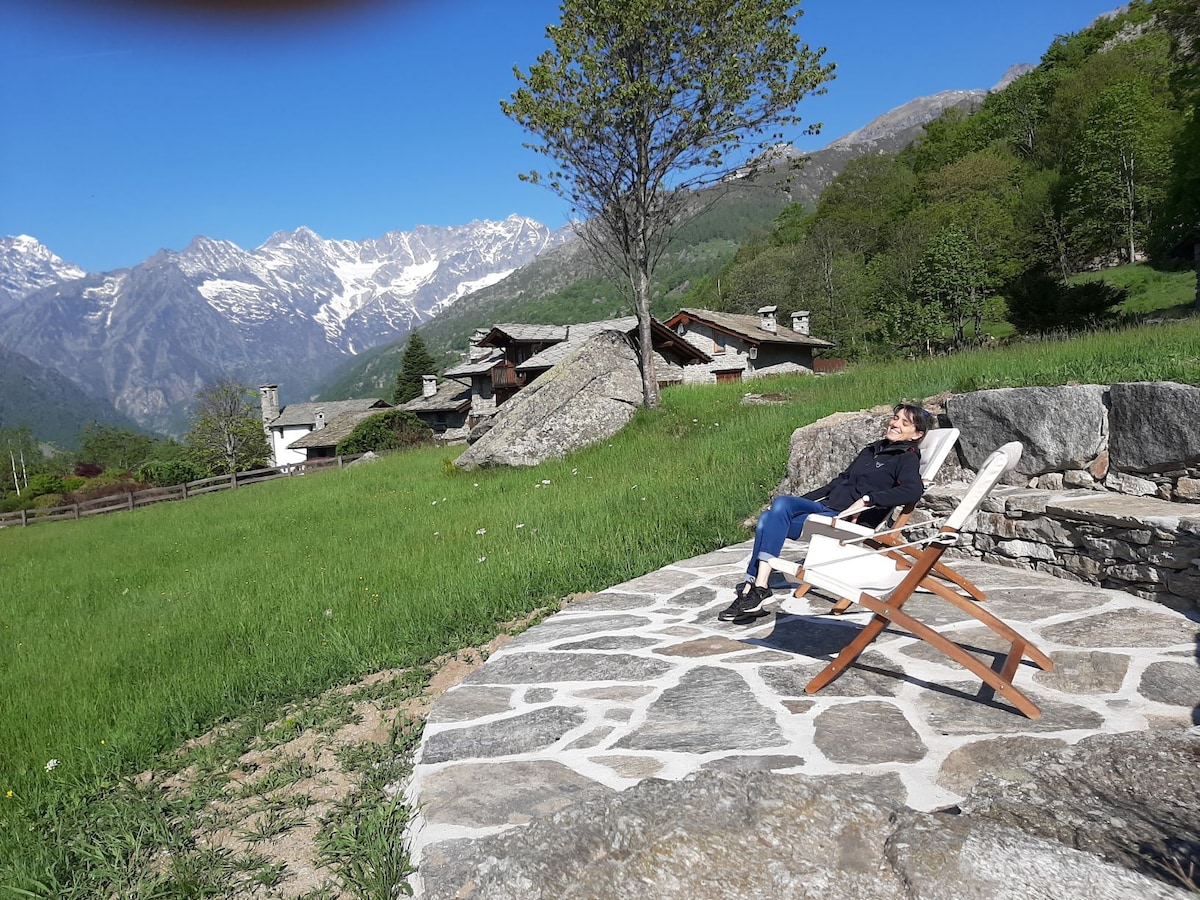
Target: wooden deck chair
[935, 450]
[883, 578]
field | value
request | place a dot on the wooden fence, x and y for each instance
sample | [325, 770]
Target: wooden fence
[829, 366]
[135, 499]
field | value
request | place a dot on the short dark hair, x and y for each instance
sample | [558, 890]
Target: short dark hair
[918, 415]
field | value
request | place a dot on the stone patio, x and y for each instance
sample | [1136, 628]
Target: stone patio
[642, 681]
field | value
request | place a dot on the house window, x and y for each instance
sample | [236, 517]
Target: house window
[718, 343]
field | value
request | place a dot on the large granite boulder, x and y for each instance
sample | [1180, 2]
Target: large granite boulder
[764, 835]
[587, 397]
[1060, 427]
[1154, 426]
[1131, 798]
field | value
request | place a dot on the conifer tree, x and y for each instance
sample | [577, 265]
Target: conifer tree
[416, 363]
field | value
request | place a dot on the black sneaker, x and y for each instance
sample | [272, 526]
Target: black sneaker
[734, 609]
[752, 601]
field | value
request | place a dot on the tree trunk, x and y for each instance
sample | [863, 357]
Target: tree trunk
[645, 337]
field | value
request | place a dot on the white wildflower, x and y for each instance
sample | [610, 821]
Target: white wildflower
[545, 481]
[52, 765]
[481, 559]
[329, 613]
[481, 531]
[520, 524]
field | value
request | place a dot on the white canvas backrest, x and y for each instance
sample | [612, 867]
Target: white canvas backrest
[1000, 461]
[935, 449]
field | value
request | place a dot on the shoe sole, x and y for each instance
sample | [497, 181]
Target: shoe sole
[748, 617]
[758, 606]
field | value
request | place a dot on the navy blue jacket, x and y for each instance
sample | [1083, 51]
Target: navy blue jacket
[888, 471]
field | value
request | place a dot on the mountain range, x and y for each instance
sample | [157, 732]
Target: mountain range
[302, 309]
[147, 338]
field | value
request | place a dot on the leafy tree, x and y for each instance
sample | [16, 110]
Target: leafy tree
[1119, 169]
[953, 276]
[226, 431]
[19, 454]
[1177, 223]
[416, 363]
[639, 102]
[114, 448]
[395, 429]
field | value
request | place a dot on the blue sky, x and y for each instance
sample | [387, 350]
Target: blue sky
[125, 128]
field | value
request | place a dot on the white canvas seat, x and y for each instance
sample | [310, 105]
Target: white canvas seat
[842, 562]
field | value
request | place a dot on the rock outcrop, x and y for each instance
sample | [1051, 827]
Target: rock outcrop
[587, 397]
[1076, 824]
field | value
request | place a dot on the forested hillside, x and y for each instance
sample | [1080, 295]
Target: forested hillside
[1090, 160]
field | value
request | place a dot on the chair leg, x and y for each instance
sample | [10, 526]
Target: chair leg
[802, 588]
[1000, 681]
[848, 654]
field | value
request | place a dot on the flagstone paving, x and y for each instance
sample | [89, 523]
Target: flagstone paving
[643, 681]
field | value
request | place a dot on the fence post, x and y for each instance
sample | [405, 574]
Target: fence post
[76, 511]
[339, 460]
[233, 479]
[185, 496]
[24, 519]
[129, 502]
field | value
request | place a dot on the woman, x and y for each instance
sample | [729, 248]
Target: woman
[885, 474]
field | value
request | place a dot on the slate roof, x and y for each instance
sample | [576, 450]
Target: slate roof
[451, 396]
[334, 430]
[306, 413]
[516, 331]
[479, 367]
[577, 334]
[748, 328]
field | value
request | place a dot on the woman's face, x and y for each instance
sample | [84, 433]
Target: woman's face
[901, 427]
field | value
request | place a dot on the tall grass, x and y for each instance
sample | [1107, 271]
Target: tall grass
[123, 635]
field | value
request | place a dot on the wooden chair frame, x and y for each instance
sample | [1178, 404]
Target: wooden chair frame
[908, 571]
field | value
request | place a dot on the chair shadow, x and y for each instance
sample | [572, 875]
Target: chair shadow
[821, 640]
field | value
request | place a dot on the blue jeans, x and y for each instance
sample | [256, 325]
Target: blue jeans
[783, 519]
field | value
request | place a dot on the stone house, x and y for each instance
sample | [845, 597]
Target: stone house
[286, 427]
[746, 346]
[507, 357]
[444, 408]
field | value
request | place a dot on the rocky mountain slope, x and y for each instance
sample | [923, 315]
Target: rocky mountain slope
[148, 337]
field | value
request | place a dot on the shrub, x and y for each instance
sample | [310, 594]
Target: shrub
[164, 473]
[97, 489]
[1040, 303]
[44, 483]
[45, 501]
[395, 429]
[88, 469]
[73, 483]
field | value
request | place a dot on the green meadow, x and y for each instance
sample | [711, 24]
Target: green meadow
[124, 635]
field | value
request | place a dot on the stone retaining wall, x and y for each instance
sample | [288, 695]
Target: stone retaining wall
[1143, 546]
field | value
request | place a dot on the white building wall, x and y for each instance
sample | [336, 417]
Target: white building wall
[280, 438]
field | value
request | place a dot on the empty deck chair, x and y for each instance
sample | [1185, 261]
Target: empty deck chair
[883, 578]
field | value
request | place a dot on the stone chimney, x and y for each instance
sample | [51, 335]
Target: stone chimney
[475, 352]
[428, 385]
[800, 321]
[768, 322]
[269, 394]
[320, 416]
